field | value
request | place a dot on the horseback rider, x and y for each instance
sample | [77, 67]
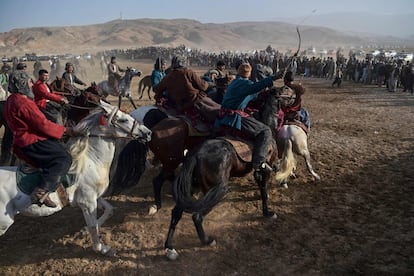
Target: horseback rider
[186, 92]
[36, 138]
[158, 73]
[70, 77]
[295, 111]
[239, 93]
[48, 101]
[217, 72]
[114, 75]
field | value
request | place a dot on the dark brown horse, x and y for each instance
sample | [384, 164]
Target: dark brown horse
[81, 102]
[145, 83]
[171, 137]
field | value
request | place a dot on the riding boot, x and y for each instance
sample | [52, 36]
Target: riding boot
[41, 196]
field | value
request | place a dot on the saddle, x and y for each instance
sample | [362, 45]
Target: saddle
[294, 119]
[200, 119]
[28, 177]
[244, 148]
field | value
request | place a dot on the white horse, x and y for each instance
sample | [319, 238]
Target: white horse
[292, 139]
[124, 86]
[92, 150]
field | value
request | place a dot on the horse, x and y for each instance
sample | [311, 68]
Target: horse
[291, 139]
[124, 86]
[81, 102]
[209, 169]
[170, 139]
[145, 82]
[92, 150]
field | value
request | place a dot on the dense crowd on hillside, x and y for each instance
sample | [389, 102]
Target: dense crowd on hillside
[389, 71]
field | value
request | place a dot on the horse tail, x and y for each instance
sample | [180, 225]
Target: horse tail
[183, 194]
[130, 166]
[288, 163]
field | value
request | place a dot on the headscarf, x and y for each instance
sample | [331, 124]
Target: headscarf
[19, 83]
[158, 63]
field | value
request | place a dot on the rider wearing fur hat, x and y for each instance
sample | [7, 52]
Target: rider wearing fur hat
[69, 75]
[239, 93]
[186, 90]
[36, 138]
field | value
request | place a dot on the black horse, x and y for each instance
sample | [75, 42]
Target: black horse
[209, 169]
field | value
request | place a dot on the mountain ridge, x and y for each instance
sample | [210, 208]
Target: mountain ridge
[215, 37]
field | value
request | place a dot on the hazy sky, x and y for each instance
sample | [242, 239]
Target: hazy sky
[35, 13]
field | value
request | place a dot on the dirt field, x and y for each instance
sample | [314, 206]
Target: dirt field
[357, 221]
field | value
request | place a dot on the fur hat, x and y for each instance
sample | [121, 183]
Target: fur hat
[178, 62]
[19, 83]
[220, 63]
[68, 64]
[21, 66]
[244, 70]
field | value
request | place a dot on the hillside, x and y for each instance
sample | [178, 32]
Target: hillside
[137, 33]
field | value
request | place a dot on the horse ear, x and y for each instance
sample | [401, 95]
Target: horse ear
[106, 107]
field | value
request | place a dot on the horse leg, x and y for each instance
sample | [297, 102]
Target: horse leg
[119, 101]
[89, 213]
[132, 102]
[149, 96]
[157, 187]
[176, 215]
[198, 223]
[6, 220]
[262, 178]
[140, 92]
[108, 211]
[306, 155]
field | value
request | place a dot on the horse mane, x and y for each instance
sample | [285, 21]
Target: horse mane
[79, 144]
[269, 109]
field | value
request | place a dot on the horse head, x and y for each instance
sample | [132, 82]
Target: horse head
[131, 72]
[269, 109]
[123, 124]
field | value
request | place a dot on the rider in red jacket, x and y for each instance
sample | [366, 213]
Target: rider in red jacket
[48, 101]
[37, 138]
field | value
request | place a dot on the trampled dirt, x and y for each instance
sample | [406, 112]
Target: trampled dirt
[357, 220]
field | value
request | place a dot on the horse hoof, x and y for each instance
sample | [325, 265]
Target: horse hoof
[284, 185]
[212, 243]
[270, 214]
[110, 253]
[153, 210]
[171, 254]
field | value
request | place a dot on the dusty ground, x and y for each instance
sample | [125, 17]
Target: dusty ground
[357, 220]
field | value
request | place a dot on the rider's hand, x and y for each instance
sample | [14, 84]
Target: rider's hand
[69, 131]
[277, 75]
[64, 101]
